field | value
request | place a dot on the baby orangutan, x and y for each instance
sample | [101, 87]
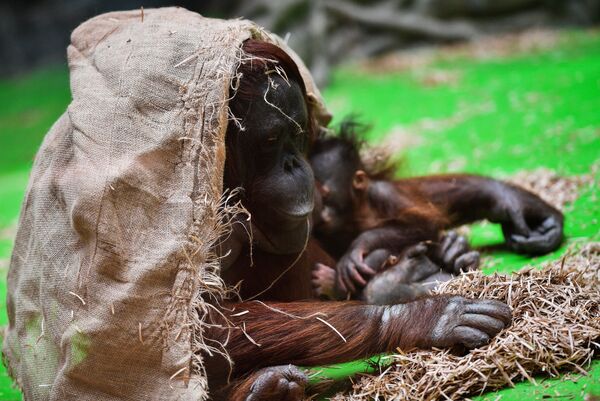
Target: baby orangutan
[385, 233]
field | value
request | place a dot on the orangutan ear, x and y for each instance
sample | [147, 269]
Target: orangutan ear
[360, 182]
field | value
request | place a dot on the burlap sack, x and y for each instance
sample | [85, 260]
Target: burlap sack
[112, 267]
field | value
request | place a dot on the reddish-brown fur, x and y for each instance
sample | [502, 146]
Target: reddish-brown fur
[288, 328]
[263, 269]
[307, 340]
[286, 331]
[419, 208]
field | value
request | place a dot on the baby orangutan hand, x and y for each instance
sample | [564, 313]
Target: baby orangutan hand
[454, 254]
[324, 277]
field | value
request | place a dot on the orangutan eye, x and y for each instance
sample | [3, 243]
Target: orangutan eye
[270, 142]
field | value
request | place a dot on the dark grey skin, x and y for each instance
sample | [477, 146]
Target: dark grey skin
[455, 255]
[474, 321]
[282, 383]
[452, 255]
[404, 278]
[271, 152]
[284, 200]
[401, 282]
[411, 278]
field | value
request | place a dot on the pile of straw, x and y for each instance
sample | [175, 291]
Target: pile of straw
[556, 328]
[556, 190]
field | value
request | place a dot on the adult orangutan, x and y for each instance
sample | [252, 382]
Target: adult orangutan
[274, 327]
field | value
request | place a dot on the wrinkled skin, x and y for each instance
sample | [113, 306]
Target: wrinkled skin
[278, 181]
[408, 277]
[452, 256]
[283, 383]
[402, 282]
[470, 322]
[411, 278]
[529, 226]
[455, 254]
[334, 181]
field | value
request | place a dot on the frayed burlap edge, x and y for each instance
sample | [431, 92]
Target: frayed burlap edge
[218, 218]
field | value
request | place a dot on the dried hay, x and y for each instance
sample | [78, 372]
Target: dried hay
[556, 328]
[556, 190]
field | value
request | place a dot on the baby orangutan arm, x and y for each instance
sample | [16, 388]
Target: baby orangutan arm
[529, 224]
[352, 270]
[452, 254]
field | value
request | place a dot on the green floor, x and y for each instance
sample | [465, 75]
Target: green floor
[495, 117]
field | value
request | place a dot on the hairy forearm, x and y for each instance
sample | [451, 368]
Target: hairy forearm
[395, 236]
[317, 333]
[465, 198]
